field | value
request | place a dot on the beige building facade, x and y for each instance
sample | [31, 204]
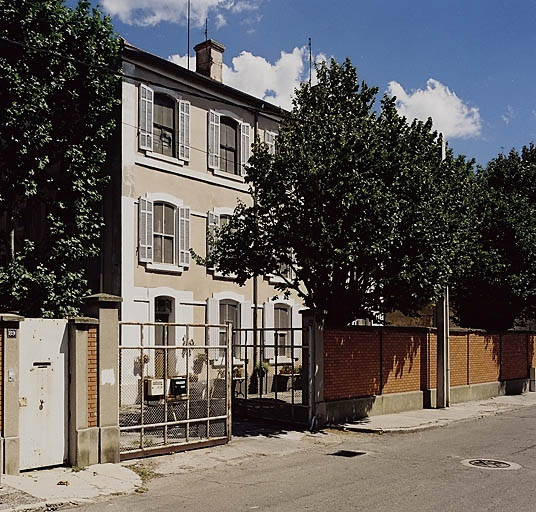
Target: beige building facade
[185, 138]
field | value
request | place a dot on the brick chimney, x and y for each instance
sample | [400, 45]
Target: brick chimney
[209, 59]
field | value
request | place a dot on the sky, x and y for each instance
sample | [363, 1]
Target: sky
[469, 64]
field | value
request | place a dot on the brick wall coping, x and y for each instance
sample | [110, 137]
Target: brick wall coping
[83, 320]
[406, 328]
[9, 317]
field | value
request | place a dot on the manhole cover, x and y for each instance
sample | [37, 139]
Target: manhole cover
[490, 464]
[347, 453]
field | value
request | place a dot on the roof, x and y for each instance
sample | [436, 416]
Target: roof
[193, 78]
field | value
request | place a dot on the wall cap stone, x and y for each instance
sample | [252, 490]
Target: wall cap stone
[103, 297]
[10, 317]
[83, 320]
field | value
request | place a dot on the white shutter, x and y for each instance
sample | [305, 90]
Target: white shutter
[213, 140]
[245, 145]
[246, 322]
[296, 322]
[213, 222]
[269, 139]
[146, 118]
[213, 333]
[184, 130]
[184, 236]
[145, 230]
[268, 336]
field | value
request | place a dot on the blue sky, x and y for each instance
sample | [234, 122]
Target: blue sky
[469, 64]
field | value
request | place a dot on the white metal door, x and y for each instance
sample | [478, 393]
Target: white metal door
[43, 392]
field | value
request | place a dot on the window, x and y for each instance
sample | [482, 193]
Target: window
[282, 338]
[215, 221]
[164, 124]
[163, 233]
[229, 144]
[230, 312]
[269, 139]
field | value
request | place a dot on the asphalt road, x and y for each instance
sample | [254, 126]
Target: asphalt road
[400, 472]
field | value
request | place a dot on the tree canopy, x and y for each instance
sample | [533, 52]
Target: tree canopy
[499, 285]
[358, 204]
[58, 95]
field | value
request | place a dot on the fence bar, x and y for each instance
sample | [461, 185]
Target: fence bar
[187, 434]
[276, 350]
[171, 423]
[229, 379]
[142, 402]
[208, 392]
[165, 375]
[292, 377]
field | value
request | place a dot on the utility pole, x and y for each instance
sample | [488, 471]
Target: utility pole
[443, 359]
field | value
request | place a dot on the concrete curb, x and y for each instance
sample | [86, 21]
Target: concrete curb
[49, 505]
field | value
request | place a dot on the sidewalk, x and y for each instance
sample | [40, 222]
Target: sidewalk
[413, 421]
[49, 489]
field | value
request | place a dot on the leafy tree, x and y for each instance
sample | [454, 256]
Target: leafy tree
[499, 286]
[358, 204]
[58, 95]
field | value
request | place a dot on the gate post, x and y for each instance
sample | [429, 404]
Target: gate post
[105, 307]
[83, 430]
[313, 326]
[9, 392]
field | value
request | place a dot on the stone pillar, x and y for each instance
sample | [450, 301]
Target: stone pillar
[10, 338]
[105, 308]
[313, 327]
[83, 430]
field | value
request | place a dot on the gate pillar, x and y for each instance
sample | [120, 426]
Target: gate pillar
[105, 307]
[83, 430]
[9, 392]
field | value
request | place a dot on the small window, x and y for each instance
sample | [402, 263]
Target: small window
[164, 233]
[164, 130]
[228, 145]
[269, 139]
[230, 312]
[282, 338]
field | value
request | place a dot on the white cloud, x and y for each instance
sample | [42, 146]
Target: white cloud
[509, 115]
[451, 115]
[220, 20]
[152, 12]
[257, 76]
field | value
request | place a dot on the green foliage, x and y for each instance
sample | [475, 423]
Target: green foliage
[57, 108]
[358, 203]
[500, 284]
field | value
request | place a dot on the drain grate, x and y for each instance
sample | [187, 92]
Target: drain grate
[489, 463]
[347, 453]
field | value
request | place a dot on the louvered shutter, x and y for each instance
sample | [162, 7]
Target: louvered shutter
[184, 236]
[213, 140]
[145, 230]
[268, 336]
[245, 146]
[146, 118]
[246, 337]
[213, 333]
[184, 130]
[213, 222]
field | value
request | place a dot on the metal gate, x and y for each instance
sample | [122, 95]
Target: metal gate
[271, 368]
[175, 390]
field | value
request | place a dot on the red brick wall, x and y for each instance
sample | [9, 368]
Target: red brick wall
[351, 363]
[370, 361]
[458, 359]
[514, 356]
[92, 377]
[402, 361]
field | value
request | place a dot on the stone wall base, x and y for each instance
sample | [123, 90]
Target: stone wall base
[11, 454]
[340, 411]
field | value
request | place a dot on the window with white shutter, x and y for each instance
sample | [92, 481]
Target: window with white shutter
[213, 223]
[269, 139]
[245, 146]
[145, 230]
[146, 118]
[184, 130]
[184, 236]
[213, 140]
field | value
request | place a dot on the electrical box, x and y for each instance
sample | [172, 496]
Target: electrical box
[177, 386]
[154, 387]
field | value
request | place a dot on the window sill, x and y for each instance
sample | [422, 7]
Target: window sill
[228, 175]
[164, 158]
[223, 277]
[164, 268]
